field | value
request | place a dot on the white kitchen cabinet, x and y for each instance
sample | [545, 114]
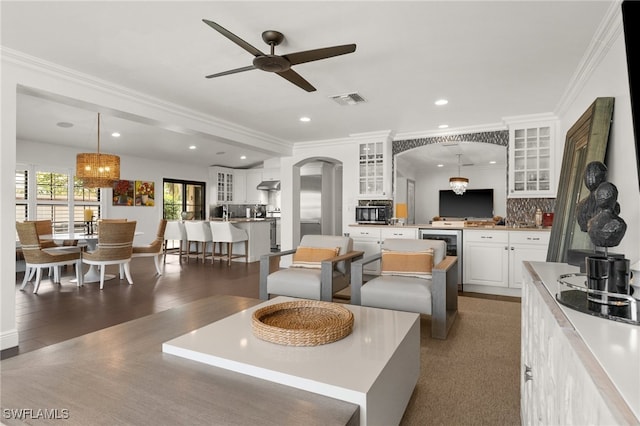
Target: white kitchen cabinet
[374, 169]
[563, 381]
[398, 232]
[253, 178]
[486, 257]
[494, 258]
[531, 246]
[367, 239]
[222, 184]
[239, 186]
[270, 173]
[370, 238]
[531, 159]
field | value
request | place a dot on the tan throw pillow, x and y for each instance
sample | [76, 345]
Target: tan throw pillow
[311, 257]
[413, 264]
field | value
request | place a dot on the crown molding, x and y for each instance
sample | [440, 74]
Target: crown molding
[57, 71]
[607, 33]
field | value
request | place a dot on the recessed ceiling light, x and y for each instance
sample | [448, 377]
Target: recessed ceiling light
[243, 157]
[64, 124]
[305, 119]
[492, 162]
[192, 147]
[441, 102]
[115, 134]
[440, 165]
[443, 126]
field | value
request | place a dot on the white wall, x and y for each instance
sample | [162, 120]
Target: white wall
[429, 182]
[610, 78]
[131, 168]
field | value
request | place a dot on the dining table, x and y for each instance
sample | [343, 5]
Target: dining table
[93, 274]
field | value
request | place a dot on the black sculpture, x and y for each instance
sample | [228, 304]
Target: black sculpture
[595, 173]
[606, 228]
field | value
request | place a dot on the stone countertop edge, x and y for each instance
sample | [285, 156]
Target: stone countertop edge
[430, 226]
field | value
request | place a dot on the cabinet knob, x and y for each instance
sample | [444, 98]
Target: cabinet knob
[528, 374]
[512, 248]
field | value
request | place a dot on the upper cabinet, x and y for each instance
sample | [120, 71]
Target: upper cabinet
[222, 187]
[374, 166]
[531, 158]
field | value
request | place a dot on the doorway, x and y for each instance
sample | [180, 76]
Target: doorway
[320, 200]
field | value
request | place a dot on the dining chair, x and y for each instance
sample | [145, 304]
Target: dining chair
[198, 232]
[155, 248]
[36, 257]
[115, 246]
[228, 234]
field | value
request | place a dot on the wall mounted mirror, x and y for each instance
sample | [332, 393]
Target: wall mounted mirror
[586, 142]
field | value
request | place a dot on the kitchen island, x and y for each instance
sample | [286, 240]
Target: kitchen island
[258, 230]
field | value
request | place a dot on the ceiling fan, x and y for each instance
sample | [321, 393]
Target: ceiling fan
[279, 64]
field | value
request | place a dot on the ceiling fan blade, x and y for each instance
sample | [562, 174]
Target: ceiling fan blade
[297, 79]
[234, 38]
[317, 54]
[237, 70]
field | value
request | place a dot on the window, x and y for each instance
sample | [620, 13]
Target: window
[183, 196]
[45, 195]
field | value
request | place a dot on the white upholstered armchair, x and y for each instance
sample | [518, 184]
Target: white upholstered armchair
[416, 276]
[321, 267]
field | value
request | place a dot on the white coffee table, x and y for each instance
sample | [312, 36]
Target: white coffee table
[376, 367]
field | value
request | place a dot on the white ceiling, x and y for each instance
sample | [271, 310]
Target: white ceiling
[490, 59]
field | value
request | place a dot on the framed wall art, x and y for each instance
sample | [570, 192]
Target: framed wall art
[145, 193]
[123, 193]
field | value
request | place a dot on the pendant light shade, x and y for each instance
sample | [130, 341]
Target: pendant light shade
[97, 170]
[458, 184]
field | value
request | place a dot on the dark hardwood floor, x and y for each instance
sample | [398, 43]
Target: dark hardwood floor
[61, 312]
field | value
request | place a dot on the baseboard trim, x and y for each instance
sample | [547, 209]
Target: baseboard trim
[9, 339]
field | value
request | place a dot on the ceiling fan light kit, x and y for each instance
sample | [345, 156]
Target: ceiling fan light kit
[97, 170]
[279, 64]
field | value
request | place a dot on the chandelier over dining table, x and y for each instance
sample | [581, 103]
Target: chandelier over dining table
[458, 183]
[96, 169]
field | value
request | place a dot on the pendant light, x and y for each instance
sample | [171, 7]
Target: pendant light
[458, 184]
[97, 170]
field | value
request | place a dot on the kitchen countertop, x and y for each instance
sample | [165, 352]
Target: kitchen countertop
[243, 219]
[430, 226]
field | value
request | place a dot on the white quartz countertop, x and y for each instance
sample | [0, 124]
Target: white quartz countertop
[615, 345]
[466, 228]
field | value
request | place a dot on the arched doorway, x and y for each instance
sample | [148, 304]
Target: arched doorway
[318, 181]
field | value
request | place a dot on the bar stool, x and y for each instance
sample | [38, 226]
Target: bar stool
[198, 232]
[175, 231]
[224, 232]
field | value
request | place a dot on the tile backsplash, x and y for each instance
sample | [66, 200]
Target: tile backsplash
[523, 210]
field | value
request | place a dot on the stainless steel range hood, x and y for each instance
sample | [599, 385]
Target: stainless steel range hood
[269, 185]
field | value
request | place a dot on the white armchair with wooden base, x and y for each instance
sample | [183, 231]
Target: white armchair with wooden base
[321, 267]
[417, 276]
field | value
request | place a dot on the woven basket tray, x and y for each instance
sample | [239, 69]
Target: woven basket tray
[302, 323]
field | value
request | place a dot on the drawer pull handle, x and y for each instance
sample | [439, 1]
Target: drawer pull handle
[528, 375]
[484, 236]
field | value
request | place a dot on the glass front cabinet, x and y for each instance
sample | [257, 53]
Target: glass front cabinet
[222, 188]
[374, 167]
[531, 159]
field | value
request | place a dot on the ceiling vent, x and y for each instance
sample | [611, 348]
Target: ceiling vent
[348, 99]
